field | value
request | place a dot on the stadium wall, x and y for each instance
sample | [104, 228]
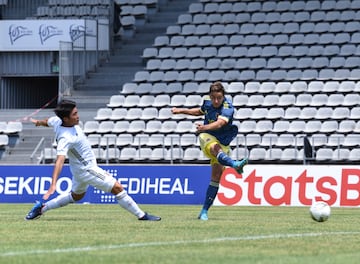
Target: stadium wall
[266, 185]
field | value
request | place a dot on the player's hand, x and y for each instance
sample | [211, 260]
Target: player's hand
[175, 110]
[199, 127]
[49, 192]
[35, 121]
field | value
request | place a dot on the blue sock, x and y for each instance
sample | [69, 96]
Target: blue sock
[211, 194]
[225, 159]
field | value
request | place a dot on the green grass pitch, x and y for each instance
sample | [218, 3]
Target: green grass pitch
[108, 234]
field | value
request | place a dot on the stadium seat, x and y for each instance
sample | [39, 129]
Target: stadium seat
[351, 140]
[108, 140]
[263, 126]
[153, 64]
[124, 140]
[267, 88]
[324, 113]
[3, 125]
[235, 88]
[161, 41]
[340, 113]
[112, 155]
[354, 154]
[257, 154]
[185, 126]
[292, 112]
[286, 140]
[140, 140]
[152, 126]
[116, 101]
[281, 126]
[158, 153]
[303, 99]
[136, 126]
[335, 140]
[156, 140]
[297, 126]
[133, 114]
[13, 128]
[268, 139]
[188, 139]
[4, 141]
[105, 127]
[243, 113]
[247, 126]
[175, 154]
[91, 127]
[328, 127]
[259, 113]
[355, 113]
[143, 88]
[275, 113]
[121, 126]
[168, 126]
[273, 154]
[149, 113]
[318, 140]
[287, 100]
[351, 99]
[255, 100]
[324, 154]
[127, 154]
[252, 140]
[319, 100]
[103, 114]
[315, 87]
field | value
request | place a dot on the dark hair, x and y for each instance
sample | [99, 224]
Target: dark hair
[217, 87]
[64, 108]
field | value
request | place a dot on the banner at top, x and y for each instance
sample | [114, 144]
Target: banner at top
[45, 35]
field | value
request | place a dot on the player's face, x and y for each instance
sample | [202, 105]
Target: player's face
[73, 118]
[217, 99]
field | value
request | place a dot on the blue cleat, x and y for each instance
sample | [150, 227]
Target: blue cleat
[148, 217]
[35, 212]
[203, 215]
[239, 165]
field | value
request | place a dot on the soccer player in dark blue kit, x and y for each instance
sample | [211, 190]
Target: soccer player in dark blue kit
[215, 135]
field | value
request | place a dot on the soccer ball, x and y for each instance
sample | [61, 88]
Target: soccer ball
[320, 211]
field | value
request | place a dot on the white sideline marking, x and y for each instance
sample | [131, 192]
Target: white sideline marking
[171, 243]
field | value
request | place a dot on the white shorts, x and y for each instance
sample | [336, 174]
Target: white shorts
[96, 177]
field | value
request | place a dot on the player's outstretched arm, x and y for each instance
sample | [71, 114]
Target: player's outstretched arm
[187, 111]
[60, 160]
[37, 122]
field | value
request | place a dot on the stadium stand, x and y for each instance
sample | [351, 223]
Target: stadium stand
[290, 68]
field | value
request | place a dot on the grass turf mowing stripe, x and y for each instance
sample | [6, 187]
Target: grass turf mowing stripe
[170, 243]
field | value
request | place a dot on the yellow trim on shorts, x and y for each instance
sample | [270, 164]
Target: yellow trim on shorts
[206, 141]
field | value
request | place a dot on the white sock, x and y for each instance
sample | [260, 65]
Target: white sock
[126, 202]
[58, 201]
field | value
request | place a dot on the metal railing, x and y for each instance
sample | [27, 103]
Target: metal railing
[300, 149]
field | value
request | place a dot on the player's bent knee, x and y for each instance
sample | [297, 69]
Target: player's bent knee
[214, 149]
[77, 197]
[117, 188]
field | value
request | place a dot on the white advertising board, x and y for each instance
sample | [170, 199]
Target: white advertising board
[282, 185]
[45, 35]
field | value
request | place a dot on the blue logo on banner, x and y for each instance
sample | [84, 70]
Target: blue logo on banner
[16, 32]
[46, 32]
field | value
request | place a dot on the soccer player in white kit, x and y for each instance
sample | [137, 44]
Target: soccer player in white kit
[73, 144]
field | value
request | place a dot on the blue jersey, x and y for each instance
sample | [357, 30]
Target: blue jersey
[226, 111]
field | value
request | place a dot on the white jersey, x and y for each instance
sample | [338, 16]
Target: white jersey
[72, 142]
